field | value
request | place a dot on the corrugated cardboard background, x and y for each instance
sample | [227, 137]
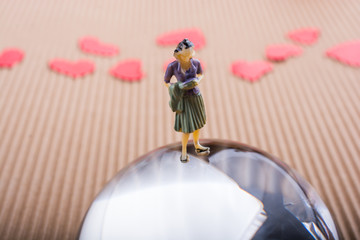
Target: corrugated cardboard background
[61, 140]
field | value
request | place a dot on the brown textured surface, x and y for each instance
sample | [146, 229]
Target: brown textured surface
[61, 140]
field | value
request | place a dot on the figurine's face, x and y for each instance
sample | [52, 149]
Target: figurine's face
[185, 54]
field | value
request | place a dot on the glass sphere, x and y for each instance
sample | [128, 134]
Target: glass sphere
[236, 192]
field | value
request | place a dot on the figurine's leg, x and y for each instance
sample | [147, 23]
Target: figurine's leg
[185, 139]
[200, 150]
[196, 136]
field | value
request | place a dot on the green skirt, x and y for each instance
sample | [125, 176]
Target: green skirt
[193, 116]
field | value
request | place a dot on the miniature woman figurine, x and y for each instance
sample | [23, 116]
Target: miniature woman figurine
[185, 96]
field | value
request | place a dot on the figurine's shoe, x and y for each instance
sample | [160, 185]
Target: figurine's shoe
[202, 151]
[184, 160]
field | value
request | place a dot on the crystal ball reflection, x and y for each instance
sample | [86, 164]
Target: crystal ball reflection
[237, 192]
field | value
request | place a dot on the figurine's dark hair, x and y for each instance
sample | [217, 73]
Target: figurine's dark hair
[184, 43]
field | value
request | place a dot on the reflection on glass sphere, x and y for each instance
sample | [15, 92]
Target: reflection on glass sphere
[237, 192]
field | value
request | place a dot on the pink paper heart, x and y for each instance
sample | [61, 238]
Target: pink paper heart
[282, 52]
[128, 70]
[72, 69]
[165, 65]
[250, 71]
[305, 35]
[9, 57]
[348, 53]
[94, 46]
[173, 38]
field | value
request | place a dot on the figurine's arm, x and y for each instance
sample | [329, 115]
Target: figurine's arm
[168, 74]
[199, 72]
[199, 77]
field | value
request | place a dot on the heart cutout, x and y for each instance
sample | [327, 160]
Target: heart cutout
[174, 37]
[165, 65]
[305, 35]
[250, 71]
[128, 70]
[9, 57]
[72, 69]
[348, 53]
[282, 52]
[94, 46]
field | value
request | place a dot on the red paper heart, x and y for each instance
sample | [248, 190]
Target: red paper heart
[128, 70]
[348, 52]
[10, 56]
[250, 71]
[72, 69]
[203, 65]
[305, 35]
[282, 52]
[174, 37]
[94, 46]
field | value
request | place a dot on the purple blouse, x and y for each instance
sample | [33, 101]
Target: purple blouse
[174, 68]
